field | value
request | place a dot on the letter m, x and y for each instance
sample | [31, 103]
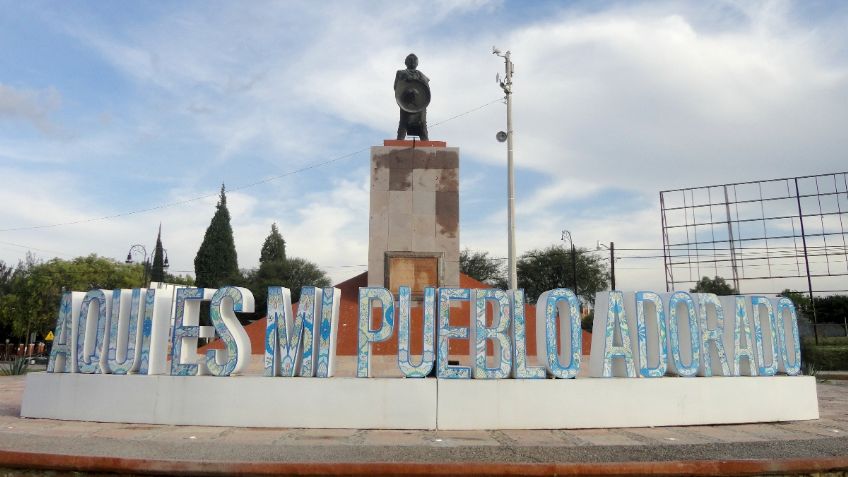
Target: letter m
[289, 338]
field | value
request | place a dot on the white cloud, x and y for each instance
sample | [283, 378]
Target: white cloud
[611, 105]
[30, 105]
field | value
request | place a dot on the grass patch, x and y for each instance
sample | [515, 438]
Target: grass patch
[829, 341]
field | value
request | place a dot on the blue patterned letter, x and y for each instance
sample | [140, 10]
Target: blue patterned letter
[498, 333]
[657, 321]
[677, 365]
[519, 340]
[427, 352]
[368, 296]
[446, 332]
[235, 358]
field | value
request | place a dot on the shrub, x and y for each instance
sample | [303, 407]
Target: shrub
[826, 357]
[827, 341]
[15, 368]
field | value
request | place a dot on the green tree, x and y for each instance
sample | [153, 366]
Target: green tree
[187, 280]
[801, 301]
[831, 309]
[299, 272]
[6, 272]
[157, 270]
[31, 299]
[274, 248]
[292, 273]
[546, 269]
[480, 266]
[715, 285]
[275, 269]
[216, 263]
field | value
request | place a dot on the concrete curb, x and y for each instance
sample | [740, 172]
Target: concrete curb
[72, 463]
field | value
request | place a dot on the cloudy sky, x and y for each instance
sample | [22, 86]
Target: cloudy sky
[118, 116]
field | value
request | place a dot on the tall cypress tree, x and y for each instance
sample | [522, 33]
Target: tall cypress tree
[274, 248]
[216, 263]
[157, 271]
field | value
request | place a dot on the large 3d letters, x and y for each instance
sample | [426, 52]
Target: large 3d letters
[367, 298]
[559, 305]
[234, 358]
[428, 356]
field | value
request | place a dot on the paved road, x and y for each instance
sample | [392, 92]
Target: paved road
[826, 437]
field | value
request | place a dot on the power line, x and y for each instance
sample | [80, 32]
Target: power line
[241, 187]
[28, 248]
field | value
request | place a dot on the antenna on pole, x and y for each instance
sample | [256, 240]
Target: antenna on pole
[506, 85]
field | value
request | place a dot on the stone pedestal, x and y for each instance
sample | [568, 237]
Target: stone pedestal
[414, 215]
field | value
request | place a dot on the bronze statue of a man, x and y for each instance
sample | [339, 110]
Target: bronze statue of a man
[412, 92]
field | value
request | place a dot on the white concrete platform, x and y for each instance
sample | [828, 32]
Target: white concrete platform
[624, 402]
[242, 401]
[390, 403]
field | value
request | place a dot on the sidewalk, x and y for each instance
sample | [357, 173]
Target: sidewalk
[786, 447]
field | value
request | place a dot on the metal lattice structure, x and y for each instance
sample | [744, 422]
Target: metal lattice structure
[763, 236]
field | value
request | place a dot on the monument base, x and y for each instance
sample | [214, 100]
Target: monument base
[624, 402]
[236, 401]
[391, 403]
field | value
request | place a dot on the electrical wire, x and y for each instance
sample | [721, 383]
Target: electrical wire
[237, 188]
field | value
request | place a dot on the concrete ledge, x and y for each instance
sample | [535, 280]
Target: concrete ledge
[387, 403]
[348, 403]
[623, 402]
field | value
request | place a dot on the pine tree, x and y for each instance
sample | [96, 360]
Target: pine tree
[157, 271]
[274, 248]
[216, 263]
[275, 269]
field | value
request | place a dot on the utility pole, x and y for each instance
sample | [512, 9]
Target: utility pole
[611, 249]
[506, 85]
[612, 265]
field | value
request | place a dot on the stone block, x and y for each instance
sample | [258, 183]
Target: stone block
[400, 179]
[377, 245]
[419, 158]
[447, 214]
[451, 275]
[379, 204]
[426, 180]
[376, 272]
[447, 158]
[379, 177]
[424, 203]
[424, 233]
[400, 233]
[447, 244]
[400, 203]
[448, 180]
[400, 158]
[452, 253]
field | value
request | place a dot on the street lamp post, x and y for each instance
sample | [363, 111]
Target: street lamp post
[506, 85]
[138, 248]
[566, 235]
